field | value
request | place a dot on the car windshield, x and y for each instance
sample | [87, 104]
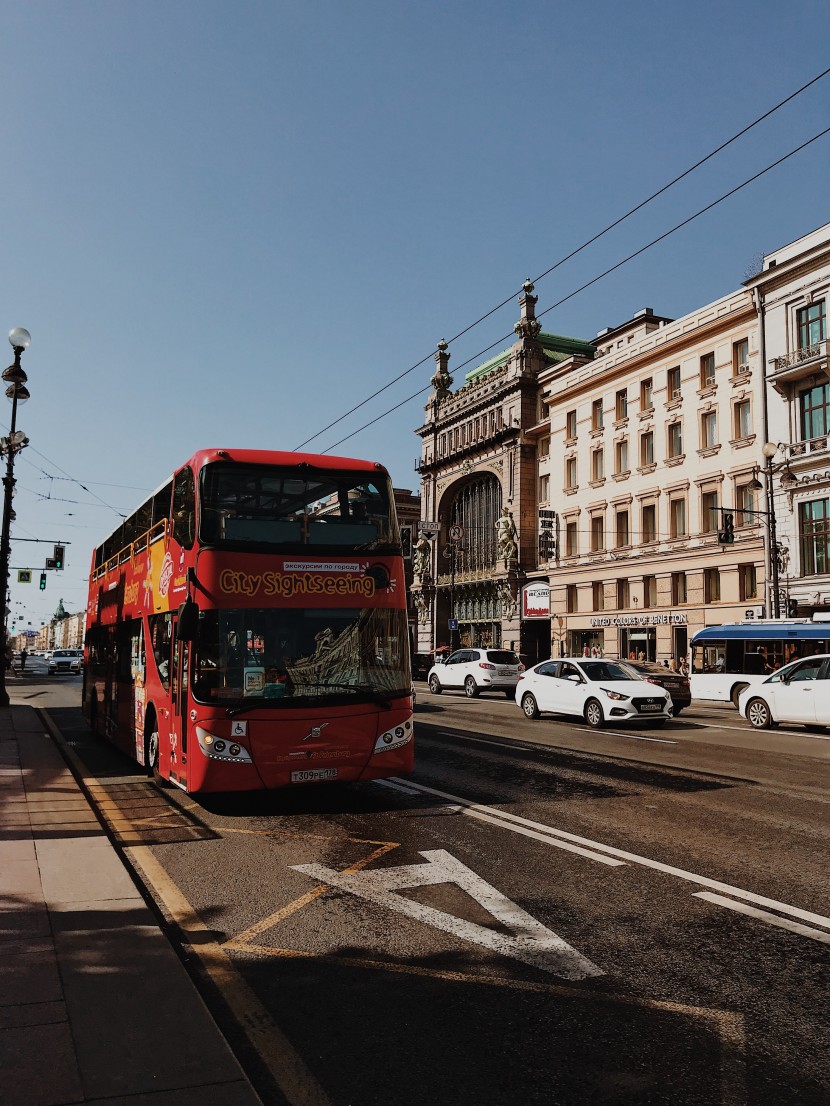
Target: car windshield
[501, 656]
[609, 670]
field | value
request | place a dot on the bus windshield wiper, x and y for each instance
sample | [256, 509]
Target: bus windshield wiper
[378, 693]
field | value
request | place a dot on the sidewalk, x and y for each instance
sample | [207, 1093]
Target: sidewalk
[95, 1006]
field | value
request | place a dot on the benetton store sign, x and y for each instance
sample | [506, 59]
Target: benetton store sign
[656, 619]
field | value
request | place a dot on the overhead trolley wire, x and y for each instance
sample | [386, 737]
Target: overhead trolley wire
[563, 260]
[589, 283]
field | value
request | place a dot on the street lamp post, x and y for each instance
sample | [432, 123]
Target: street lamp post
[17, 392]
[769, 450]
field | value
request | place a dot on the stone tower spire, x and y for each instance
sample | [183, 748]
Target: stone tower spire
[442, 381]
[528, 325]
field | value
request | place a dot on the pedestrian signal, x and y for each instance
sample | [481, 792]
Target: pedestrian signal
[43, 581]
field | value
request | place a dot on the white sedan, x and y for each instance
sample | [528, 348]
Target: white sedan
[599, 691]
[798, 692]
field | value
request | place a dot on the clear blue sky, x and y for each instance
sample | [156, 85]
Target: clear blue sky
[226, 223]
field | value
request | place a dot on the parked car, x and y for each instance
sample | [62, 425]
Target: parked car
[65, 660]
[476, 670]
[677, 686]
[797, 692]
[599, 691]
[421, 664]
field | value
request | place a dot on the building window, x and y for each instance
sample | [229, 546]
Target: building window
[745, 504]
[707, 370]
[570, 472]
[711, 585]
[673, 383]
[649, 591]
[544, 489]
[621, 456]
[743, 419]
[571, 601]
[623, 595]
[678, 589]
[623, 533]
[570, 425]
[677, 518]
[740, 356]
[597, 533]
[622, 404]
[814, 408]
[649, 522]
[814, 536]
[598, 464]
[709, 518]
[571, 540]
[647, 449]
[597, 422]
[675, 439]
[544, 448]
[708, 429]
[747, 583]
[598, 589]
[646, 398]
[812, 324]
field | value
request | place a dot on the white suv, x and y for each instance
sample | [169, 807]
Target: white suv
[477, 670]
[66, 660]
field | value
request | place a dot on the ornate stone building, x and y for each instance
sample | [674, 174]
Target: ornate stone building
[479, 536]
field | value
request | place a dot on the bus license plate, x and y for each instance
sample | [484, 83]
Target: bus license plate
[309, 775]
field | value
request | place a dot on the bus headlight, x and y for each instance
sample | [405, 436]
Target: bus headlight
[217, 748]
[395, 737]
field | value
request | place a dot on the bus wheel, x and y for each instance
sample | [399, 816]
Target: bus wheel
[758, 715]
[736, 693]
[151, 751]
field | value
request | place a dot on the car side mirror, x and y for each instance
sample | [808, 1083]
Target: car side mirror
[574, 679]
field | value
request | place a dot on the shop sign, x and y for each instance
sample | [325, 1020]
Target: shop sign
[536, 601]
[670, 618]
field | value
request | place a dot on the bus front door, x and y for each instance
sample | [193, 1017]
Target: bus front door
[179, 703]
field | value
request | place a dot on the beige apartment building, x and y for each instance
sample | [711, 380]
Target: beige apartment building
[649, 456]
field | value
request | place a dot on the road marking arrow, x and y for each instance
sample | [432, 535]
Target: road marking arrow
[528, 941]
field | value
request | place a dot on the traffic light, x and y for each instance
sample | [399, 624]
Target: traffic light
[43, 581]
[727, 535]
[406, 542]
[792, 608]
[58, 554]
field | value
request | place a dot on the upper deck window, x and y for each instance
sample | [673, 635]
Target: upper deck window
[276, 505]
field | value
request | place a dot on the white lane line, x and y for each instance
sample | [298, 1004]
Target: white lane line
[634, 858]
[765, 916]
[638, 737]
[399, 787]
[548, 840]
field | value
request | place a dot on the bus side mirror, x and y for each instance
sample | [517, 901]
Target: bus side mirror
[188, 620]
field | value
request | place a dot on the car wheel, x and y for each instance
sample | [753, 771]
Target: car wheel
[675, 711]
[510, 694]
[758, 715]
[470, 688]
[435, 685]
[736, 694]
[593, 713]
[530, 707]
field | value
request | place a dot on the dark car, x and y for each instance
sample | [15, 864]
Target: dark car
[676, 685]
[421, 664]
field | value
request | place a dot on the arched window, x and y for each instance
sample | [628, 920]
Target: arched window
[477, 507]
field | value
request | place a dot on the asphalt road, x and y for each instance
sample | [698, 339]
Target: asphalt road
[541, 914]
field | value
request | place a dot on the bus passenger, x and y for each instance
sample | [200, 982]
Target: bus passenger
[765, 661]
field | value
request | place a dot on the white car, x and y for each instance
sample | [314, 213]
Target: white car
[599, 691]
[797, 692]
[476, 670]
[66, 660]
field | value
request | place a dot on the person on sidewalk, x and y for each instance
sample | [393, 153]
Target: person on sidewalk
[23, 656]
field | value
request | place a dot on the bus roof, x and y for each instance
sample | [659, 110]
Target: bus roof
[274, 457]
[771, 630]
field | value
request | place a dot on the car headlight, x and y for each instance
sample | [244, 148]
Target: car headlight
[614, 694]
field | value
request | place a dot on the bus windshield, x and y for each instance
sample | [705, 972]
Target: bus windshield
[272, 505]
[283, 657]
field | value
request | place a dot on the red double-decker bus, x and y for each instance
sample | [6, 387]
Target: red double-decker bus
[246, 626]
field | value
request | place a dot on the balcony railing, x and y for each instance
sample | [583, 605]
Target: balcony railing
[811, 445]
[799, 356]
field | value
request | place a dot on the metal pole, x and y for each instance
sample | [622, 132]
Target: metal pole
[775, 598]
[452, 595]
[5, 541]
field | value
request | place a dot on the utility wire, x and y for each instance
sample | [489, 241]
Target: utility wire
[589, 283]
[572, 254]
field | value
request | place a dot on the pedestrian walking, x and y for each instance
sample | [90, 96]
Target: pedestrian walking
[23, 656]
